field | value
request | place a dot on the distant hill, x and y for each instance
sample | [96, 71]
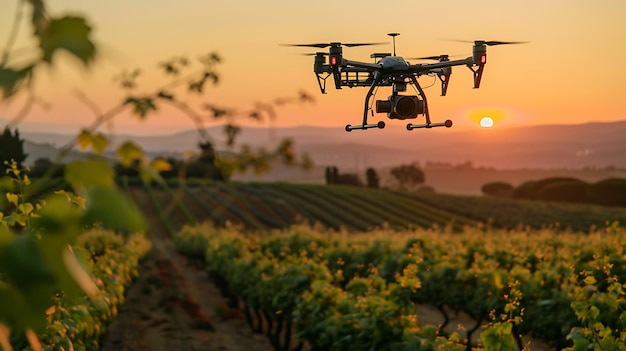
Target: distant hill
[49, 151]
[551, 146]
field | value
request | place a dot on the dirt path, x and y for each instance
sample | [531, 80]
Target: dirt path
[173, 306]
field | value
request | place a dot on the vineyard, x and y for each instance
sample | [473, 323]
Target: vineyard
[360, 292]
[280, 205]
[324, 289]
[311, 267]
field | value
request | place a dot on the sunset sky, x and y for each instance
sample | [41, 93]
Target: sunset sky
[570, 72]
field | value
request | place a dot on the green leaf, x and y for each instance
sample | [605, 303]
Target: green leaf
[13, 198]
[129, 153]
[58, 217]
[142, 105]
[11, 80]
[83, 174]
[112, 210]
[84, 139]
[99, 143]
[590, 280]
[164, 95]
[26, 208]
[70, 34]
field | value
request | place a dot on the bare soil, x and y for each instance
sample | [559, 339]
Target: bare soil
[174, 306]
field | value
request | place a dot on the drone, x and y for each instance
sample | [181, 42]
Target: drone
[396, 72]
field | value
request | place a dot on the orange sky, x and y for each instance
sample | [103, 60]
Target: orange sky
[570, 72]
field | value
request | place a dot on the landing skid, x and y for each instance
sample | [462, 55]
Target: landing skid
[379, 125]
[447, 124]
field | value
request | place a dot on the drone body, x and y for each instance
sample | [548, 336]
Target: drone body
[395, 72]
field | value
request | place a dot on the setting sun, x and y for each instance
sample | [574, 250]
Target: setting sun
[486, 122]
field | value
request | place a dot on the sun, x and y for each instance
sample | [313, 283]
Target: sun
[486, 122]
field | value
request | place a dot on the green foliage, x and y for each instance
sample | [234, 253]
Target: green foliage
[11, 149]
[608, 192]
[516, 213]
[408, 176]
[68, 33]
[500, 189]
[358, 292]
[373, 181]
[332, 174]
[12, 80]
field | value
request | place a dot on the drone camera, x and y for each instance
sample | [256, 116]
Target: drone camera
[401, 107]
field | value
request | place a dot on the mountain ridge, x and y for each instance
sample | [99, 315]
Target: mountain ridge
[594, 144]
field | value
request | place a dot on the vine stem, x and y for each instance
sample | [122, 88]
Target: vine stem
[13, 34]
[33, 340]
[5, 332]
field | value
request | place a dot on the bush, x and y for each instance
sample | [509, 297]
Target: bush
[500, 189]
[608, 192]
[534, 189]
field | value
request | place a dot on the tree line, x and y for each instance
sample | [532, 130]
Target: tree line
[607, 192]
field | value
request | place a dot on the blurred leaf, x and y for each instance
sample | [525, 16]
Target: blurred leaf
[160, 165]
[11, 80]
[84, 139]
[38, 18]
[163, 95]
[99, 143]
[128, 153]
[231, 132]
[590, 280]
[128, 79]
[26, 208]
[5, 235]
[12, 198]
[70, 34]
[286, 152]
[59, 217]
[75, 199]
[83, 174]
[170, 68]
[141, 106]
[6, 183]
[112, 210]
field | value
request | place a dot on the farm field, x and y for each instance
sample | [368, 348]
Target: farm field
[499, 261]
[266, 206]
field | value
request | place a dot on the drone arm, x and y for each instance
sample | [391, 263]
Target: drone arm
[368, 66]
[424, 68]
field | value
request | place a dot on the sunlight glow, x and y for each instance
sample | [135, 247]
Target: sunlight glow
[486, 122]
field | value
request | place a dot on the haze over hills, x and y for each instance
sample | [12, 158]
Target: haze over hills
[554, 146]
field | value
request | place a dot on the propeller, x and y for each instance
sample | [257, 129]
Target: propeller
[325, 45]
[436, 57]
[313, 54]
[491, 42]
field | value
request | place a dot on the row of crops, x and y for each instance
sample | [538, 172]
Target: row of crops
[511, 213]
[75, 321]
[339, 291]
[257, 206]
[277, 205]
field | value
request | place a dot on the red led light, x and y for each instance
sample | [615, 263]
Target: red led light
[483, 59]
[333, 60]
